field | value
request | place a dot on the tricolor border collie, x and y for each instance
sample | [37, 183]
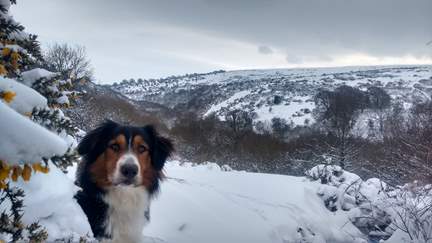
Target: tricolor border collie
[119, 173]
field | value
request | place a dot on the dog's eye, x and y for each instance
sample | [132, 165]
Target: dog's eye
[115, 147]
[142, 149]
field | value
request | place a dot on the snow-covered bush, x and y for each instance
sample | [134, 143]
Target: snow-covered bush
[411, 210]
[34, 133]
[377, 209]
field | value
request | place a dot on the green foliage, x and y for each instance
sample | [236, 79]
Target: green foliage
[11, 222]
[64, 161]
[53, 120]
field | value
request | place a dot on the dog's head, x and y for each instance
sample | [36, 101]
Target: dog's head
[116, 155]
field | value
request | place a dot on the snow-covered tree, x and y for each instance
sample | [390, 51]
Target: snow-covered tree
[34, 133]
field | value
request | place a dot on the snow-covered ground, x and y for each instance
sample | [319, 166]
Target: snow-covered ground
[209, 203]
[206, 204]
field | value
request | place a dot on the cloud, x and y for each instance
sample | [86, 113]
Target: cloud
[325, 58]
[291, 59]
[265, 50]
[169, 37]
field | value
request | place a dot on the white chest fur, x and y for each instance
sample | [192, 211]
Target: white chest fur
[126, 213]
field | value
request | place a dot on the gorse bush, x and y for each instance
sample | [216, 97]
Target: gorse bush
[30, 103]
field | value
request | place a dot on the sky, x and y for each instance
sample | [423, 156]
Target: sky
[150, 39]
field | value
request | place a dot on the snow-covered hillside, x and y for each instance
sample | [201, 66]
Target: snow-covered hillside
[284, 93]
[206, 204]
[213, 204]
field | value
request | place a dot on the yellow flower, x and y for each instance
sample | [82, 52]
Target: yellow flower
[3, 70]
[16, 172]
[3, 185]
[15, 56]
[6, 51]
[3, 164]
[45, 169]
[8, 96]
[4, 172]
[26, 174]
[37, 167]
[40, 168]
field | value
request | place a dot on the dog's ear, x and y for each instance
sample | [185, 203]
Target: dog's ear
[161, 147]
[91, 139]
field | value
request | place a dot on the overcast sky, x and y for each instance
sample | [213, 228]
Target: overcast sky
[140, 38]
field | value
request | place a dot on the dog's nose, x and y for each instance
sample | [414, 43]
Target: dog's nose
[129, 170]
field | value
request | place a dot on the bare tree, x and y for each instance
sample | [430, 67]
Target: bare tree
[379, 102]
[280, 127]
[239, 121]
[379, 99]
[338, 111]
[69, 60]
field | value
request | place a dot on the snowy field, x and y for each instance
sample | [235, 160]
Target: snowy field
[213, 204]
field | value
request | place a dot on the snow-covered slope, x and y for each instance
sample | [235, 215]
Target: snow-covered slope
[284, 93]
[205, 204]
[213, 204]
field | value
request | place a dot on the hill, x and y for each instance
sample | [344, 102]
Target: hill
[284, 93]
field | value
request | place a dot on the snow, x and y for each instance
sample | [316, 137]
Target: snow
[49, 200]
[254, 90]
[210, 203]
[291, 112]
[378, 210]
[26, 98]
[22, 140]
[15, 47]
[31, 76]
[225, 103]
[63, 99]
[206, 204]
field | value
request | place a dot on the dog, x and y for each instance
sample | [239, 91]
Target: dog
[119, 174]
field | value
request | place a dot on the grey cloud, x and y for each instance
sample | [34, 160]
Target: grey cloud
[385, 27]
[379, 27]
[306, 29]
[294, 59]
[265, 50]
[325, 58]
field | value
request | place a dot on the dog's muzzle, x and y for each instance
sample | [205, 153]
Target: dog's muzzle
[127, 171]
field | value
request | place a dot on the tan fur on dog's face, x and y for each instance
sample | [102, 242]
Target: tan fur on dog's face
[148, 173]
[105, 170]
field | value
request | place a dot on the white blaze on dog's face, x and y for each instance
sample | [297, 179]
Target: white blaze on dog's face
[125, 162]
[126, 171]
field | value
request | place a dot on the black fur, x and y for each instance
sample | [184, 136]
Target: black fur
[94, 144]
[96, 210]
